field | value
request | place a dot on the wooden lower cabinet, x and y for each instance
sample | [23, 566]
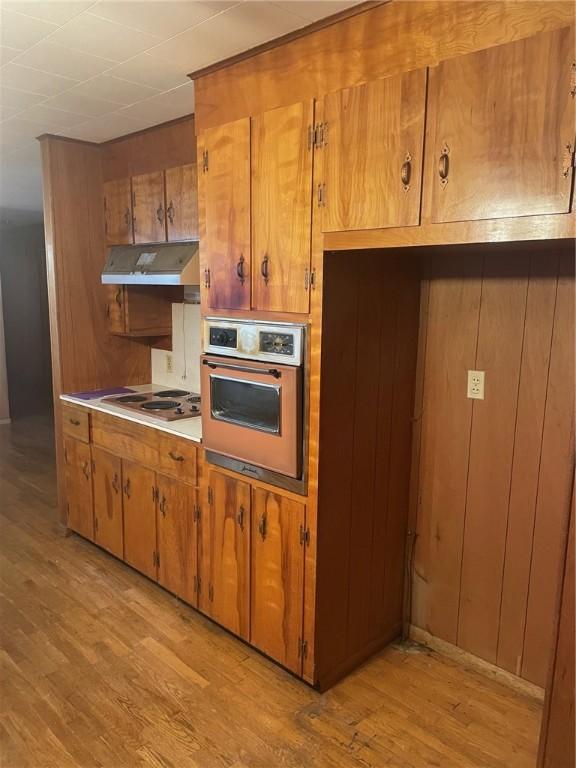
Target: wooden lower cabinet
[176, 537]
[225, 553]
[78, 487]
[139, 503]
[277, 579]
[107, 489]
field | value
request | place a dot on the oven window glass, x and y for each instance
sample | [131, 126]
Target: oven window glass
[246, 403]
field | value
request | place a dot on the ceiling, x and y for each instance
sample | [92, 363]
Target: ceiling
[98, 70]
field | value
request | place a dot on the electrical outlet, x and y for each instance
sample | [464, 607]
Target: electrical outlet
[169, 363]
[476, 385]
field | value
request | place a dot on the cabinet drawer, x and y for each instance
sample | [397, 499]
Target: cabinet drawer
[76, 422]
[125, 438]
[177, 457]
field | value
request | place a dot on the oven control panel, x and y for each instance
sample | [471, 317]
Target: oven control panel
[277, 343]
[252, 340]
[223, 337]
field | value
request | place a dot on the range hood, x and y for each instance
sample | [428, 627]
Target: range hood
[156, 264]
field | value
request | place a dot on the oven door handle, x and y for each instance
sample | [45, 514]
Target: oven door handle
[246, 368]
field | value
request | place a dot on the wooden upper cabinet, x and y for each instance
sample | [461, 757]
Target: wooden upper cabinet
[224, 205]
[149, 207]
[177, 540]
[118, 212]
[107, 485]
[281, 208]
[139, 502]
[277, 583]
[225, 553]
[78, 487]
[182, 202]
[373, 154]
[500, 121]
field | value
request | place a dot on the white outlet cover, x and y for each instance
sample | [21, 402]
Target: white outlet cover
[476, 385]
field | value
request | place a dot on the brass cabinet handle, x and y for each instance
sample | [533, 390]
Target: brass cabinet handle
[262, 526]
[406, 172]
[206, 278]
[127, 216]
[127, 488]
[116, 483]
[264, 269]
[240, 269]
[160, 214]
[444, 165]
[86, 470]
[240, 518]
[162, 506]
[170, 212]
[75, 422]
[175, 456]
[119, 297]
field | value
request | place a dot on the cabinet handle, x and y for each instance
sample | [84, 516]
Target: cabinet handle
[262, 526]
[170, 212]
[444, 165]
[175, 456]
[162, 506]
[127, 216]
[119, 297]
[115, 484]
[240, 518]
[240, 269]
[86, 470]
[406, 172]
[206, 278]
[160, 214]
[75, 422]
[264, 269]
[127, 488]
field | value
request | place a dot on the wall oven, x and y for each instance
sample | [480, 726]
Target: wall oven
[252, 398]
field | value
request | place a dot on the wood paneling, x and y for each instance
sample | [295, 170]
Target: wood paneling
[148, 309]
[281, 166]
[139, 502]
[177, 540]
[118, 212]
[182, 202]
[149, 208]
[375, 132]
[499, 123]
[392, 38]
[107, 485]
[224, 205]
[78, 487]
[277, 577]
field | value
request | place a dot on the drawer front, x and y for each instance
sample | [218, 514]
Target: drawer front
[177, 458]
[126, 439]
[76, 422]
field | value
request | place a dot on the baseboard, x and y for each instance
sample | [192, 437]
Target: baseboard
[5, 421]
[479, 665]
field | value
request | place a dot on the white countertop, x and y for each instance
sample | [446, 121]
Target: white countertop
[190, 429]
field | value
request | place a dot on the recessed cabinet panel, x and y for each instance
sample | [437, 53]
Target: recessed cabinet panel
[374, 136]
[224, 181]
[107, 485]
[277, 583]
[499, 127]
[177, 541]
[118, 212]
[225, 553]
[149, 208]
[182, 202]
[281, 208]
[139, 501]
[78, 485]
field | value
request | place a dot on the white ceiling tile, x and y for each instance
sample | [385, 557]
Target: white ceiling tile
[82, 104]
[104, 128]
[52, 118]
[19, 31]
[10, 97]
[100, 37]
[35, 81]
[165, 106]
[121, 92]
[50, 57]
[313, 10]
[159, 18]
[56, 11]
[150, 71]
[7, 54]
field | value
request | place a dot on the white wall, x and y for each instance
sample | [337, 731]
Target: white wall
[4, 404]
[186, 349]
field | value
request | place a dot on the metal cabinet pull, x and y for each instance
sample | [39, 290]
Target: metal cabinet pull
[170, 212]
[264, 269]
[86, 470]
[240, 269]
[240, 518]
[162, 506]
[160, 214]
[127, 488]
[75, 422]
[206, 278]
[406, 172]
[175, 456]
[262, 526]
[127, 217]
[118, 297]
[116, 484]
[444, 165]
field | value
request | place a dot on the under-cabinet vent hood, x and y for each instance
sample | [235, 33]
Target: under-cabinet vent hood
[157, 264]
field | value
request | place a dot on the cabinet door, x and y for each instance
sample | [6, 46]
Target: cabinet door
[224, 181]
[107, 484]
[500, 122]
[78, 487]
[277, 584]
[115, 308]
[139, 502]
[177, 538]
[118, 212]
[182, 202]
[281, 208]
[225, 553]
[373, 159]
[149, 208]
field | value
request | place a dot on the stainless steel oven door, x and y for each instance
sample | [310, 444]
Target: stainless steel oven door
[252, 411]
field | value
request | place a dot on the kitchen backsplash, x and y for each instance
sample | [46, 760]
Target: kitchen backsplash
[185, 354]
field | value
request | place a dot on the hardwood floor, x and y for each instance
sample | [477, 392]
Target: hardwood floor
[101, 667]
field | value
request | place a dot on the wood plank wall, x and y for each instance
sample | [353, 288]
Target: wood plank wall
[495, 475]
